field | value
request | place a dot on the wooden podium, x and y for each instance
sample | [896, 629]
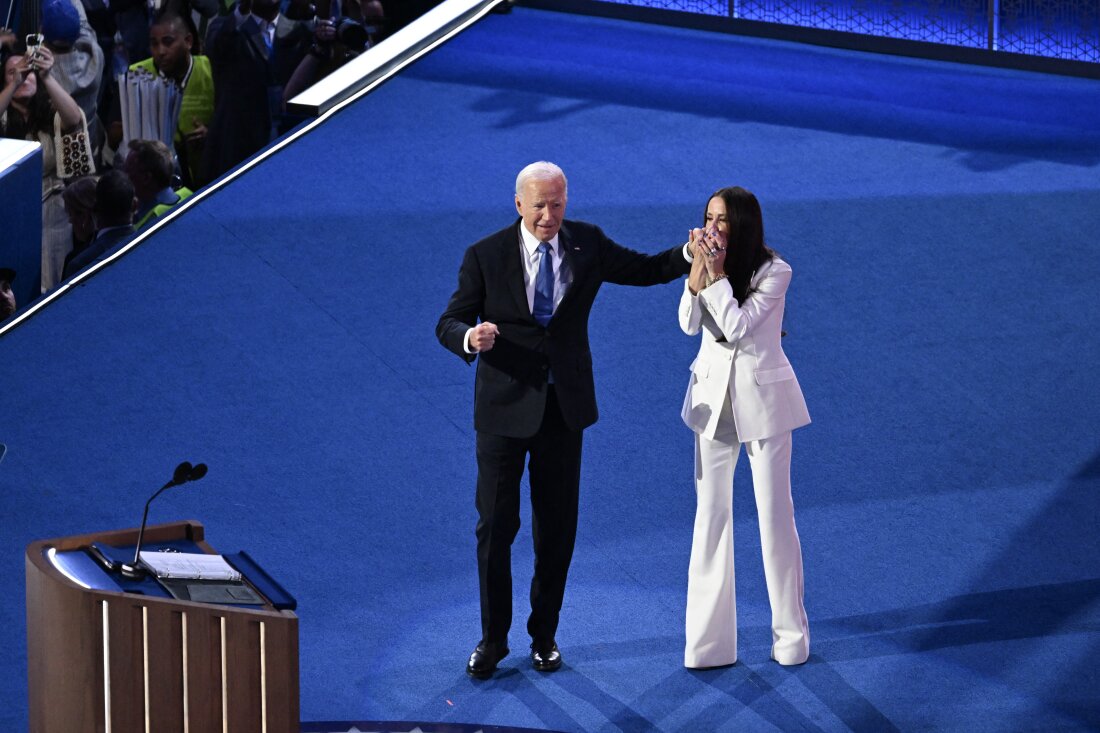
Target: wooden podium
[103, 660]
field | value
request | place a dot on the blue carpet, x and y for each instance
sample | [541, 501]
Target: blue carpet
[941, 221]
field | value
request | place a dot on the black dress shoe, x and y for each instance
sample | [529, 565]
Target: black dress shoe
[545, 657]
[483, 661]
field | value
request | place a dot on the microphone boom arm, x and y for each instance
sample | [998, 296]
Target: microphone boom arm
[184, 472]
[145, 517]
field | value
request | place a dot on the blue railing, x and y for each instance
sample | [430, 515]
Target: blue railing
[1059, 29]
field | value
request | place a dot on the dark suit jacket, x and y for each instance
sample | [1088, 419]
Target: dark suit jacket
[247, 80]
[105, 243]
[510, 386]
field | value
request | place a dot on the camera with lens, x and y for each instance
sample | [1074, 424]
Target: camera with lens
[354, 35]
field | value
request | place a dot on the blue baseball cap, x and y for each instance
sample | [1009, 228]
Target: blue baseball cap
[60, 21]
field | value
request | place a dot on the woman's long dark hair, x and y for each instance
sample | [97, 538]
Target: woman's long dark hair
[746, 250]
[39, 110]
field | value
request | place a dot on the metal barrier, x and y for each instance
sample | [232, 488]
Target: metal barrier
[1057, 29]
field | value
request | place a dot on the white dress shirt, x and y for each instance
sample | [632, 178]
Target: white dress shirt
[530, 259]
[267, 27]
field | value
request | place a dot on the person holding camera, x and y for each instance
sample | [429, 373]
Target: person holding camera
[34, 106]
[742, 391]
[78, 58]
[337, 40]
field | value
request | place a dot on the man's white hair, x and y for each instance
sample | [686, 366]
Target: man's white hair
[543, 170]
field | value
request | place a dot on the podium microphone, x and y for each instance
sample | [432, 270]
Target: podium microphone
[184, 472]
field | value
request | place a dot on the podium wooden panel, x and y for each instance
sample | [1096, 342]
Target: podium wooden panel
[113, 662]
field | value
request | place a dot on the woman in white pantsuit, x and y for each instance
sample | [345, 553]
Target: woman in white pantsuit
[742, 391]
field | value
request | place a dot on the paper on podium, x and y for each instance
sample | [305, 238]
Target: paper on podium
[190, 565]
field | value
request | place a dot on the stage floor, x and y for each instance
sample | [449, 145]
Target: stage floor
[940, 220]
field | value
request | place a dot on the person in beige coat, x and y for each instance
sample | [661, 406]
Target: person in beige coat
[742, 391]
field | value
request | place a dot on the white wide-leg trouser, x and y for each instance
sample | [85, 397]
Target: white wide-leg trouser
[711, 609]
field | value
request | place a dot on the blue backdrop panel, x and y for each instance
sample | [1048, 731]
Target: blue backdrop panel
[21, 233]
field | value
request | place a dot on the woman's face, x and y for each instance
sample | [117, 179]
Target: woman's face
[29, 86]
[716, 216]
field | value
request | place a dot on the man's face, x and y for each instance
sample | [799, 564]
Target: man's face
[542, 206]
[170, 45]
[131, 167]
[266, 9]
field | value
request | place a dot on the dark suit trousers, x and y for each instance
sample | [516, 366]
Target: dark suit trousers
[555, 470]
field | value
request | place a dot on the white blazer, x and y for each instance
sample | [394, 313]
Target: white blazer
[741, 355]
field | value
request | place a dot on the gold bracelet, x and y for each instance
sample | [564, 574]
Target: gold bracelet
[716, 278]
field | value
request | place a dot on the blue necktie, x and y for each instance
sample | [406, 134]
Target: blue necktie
[544, 287]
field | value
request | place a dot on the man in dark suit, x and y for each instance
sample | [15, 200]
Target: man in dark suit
[113, 214]
[253, 51]
[531, 285]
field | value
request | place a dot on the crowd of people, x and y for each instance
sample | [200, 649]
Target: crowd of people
[79, 76]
